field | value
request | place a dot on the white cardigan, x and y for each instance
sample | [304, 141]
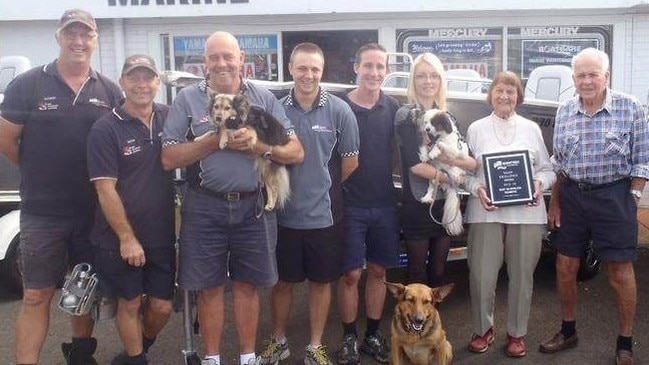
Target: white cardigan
[521, 134]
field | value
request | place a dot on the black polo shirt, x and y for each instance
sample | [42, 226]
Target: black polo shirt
[56, 122]
[370, 185]
[122, 148]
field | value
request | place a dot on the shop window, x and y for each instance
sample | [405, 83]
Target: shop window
[260, 63]
[531, 47]
[478, 49]
[339, 48]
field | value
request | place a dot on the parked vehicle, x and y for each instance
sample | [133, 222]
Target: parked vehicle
[467, 102]
[10, 67]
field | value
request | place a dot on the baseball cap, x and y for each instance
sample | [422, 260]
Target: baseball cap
[138, 60]
[77, 16]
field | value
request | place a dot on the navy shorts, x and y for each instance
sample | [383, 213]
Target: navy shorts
[607, 215]
[155, 278]
[371, 234]
[313, 254]
[51, 244]
[220, 238]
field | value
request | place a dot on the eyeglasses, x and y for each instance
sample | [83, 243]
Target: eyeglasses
[425, 77]
[72, 35]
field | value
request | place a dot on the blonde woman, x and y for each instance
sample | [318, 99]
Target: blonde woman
[427, 242]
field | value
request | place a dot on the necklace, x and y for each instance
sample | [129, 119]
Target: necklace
[504, 133]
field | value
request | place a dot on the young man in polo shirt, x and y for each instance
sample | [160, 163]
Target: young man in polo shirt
[134, 229]
[48, 112]
[371, 225]
[309, 245]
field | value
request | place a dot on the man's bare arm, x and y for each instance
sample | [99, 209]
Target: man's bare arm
[349, 164]
[10, 134]
[186, 153]
[111, 205]
[290, 153]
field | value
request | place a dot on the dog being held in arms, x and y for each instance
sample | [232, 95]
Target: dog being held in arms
[439, 134]
[231, 112]
[416, 333]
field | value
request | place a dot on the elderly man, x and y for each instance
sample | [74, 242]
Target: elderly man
[601, 156]
[46, 116]
[134, 229]
[310, 240]
[224, 228]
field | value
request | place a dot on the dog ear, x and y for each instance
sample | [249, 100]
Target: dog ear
[395, 288]
[240, 104]
[440, 293]
[414, 115]
[442, 119]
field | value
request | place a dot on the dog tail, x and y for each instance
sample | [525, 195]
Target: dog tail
[283, 186]
[452, 214]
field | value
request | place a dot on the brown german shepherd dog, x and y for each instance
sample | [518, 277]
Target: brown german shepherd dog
[417, 336]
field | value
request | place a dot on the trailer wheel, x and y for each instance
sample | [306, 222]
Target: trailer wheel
[9, 271]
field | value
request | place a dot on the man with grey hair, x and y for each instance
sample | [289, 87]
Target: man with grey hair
[601, 157]
[225, 231]
[48, 112]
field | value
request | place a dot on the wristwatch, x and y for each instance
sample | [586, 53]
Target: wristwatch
[267, 155]
[636, 193]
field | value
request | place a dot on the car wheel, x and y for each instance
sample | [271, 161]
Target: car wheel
[590, 264]
[9, 271]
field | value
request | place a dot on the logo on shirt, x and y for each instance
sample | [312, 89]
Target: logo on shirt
[48, 103]
[204, 119]
[321, 128]
[99, 103]
[130, 149]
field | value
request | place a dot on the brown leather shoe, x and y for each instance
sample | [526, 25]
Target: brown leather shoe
[558, 343]
[623, 357]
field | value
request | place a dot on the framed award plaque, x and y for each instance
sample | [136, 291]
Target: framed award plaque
[509, 177]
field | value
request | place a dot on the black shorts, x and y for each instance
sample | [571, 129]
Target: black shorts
[49, 244]
[156, 278]
[607, 215]
[313, 254]
[417, 224]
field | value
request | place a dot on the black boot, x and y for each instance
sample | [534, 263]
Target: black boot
[80, 351]
[123, 359]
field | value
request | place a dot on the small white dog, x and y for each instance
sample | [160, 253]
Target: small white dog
[438, 126]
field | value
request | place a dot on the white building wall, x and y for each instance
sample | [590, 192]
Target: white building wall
[35, 39]
[640, 59]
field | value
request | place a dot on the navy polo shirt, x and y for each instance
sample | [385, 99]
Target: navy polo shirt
[56, 122]
[370, 185]
[122, 148]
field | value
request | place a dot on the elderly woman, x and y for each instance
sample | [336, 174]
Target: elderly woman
[426, 240]
[510, 234]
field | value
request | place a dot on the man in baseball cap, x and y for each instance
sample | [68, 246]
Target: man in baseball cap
[48, 104]
[134, 229]
[71, 16]
[137, 61]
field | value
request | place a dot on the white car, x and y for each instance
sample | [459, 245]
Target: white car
[10, 67]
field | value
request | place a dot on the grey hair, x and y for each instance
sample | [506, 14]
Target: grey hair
[592, 52]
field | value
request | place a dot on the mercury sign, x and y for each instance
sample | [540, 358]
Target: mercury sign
[537, 53]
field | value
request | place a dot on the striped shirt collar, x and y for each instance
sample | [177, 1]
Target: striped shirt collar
[321, 100]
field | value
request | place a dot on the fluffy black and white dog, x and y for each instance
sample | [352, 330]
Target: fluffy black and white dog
[439, 128]
[231, 112]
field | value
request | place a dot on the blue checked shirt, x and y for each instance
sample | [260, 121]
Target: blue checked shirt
[609, 145]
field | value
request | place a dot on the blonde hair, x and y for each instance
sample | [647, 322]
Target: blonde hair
[431, 59]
